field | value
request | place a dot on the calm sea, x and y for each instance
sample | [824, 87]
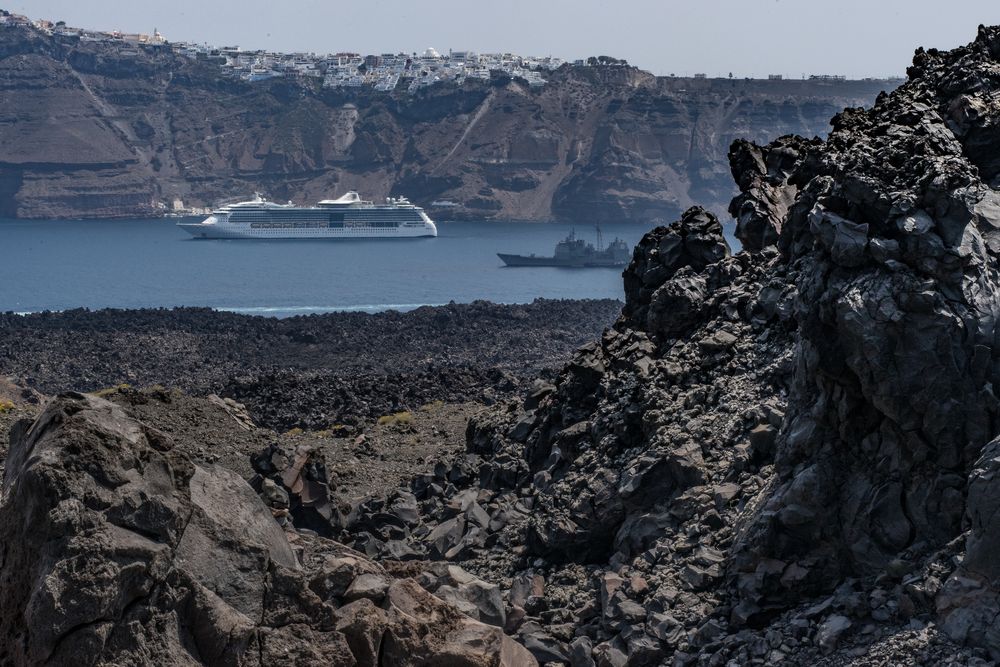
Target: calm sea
[56, 265]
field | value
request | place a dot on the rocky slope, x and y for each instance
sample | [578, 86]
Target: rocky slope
[119, 549]
[783, 456]
[92, 130]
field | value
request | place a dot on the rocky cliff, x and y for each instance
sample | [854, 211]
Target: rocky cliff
[93, 130]
[787, 455]
[784, 456]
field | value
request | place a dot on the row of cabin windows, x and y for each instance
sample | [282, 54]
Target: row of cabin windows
[334, 216]
[321, 225]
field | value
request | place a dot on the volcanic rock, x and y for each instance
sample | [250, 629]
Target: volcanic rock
[118, 550]
[311, 372]
[794, 446]
[897, 296]
[786, 455]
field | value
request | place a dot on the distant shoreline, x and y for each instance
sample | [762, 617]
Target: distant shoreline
[271, 312]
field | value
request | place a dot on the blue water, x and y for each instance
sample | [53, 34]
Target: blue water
[56, 265]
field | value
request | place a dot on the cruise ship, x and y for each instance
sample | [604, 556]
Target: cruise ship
[348, 217]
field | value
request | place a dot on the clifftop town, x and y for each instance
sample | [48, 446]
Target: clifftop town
[386, 72]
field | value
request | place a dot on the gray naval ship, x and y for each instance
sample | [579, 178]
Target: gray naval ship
[574, 252]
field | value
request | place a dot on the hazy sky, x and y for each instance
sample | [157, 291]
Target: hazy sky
[747, 37]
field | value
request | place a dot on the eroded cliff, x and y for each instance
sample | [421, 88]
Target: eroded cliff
[94, 130]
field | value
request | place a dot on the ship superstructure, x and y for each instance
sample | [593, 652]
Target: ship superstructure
[347, 217]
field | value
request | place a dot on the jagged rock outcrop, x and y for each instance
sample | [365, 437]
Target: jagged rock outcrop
[119, 550]
[656, 299]
[897, 293]
[105, 130]
[767, 188]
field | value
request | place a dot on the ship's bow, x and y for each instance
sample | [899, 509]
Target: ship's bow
[200, 230]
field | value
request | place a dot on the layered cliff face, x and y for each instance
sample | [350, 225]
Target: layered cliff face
[93, 130]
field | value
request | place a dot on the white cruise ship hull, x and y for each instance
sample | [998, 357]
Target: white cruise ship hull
[213, 230]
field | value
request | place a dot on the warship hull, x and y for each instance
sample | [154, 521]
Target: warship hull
[580, 263]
